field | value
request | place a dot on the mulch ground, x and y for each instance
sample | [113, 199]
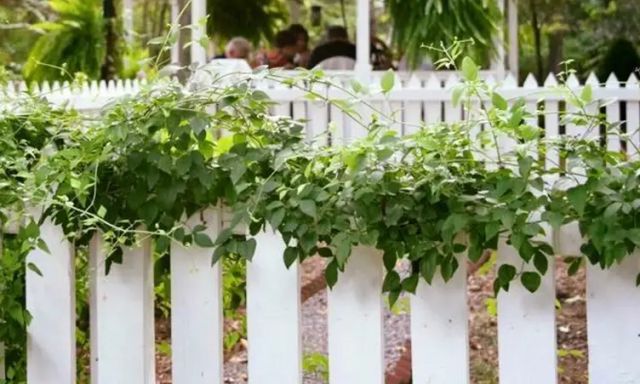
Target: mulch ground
[570, 320]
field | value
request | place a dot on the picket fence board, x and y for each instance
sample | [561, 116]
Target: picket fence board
[613, 323]
[356, 344]
[526, 327]
[273, 314]
[440, 330]
[50, 299]
[196, 308]
[633, 120]
[122, 316]
[317, 124]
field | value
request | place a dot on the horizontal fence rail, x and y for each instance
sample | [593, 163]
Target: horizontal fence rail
[122, 317]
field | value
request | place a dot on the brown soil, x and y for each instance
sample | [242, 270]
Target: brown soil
[570, 322]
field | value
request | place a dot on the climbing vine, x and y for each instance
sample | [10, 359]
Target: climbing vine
[447, 193]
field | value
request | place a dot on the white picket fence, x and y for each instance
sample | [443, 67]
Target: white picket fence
[122, 322]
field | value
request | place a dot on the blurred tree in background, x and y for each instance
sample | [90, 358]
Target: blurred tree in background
[71, 42]
[552, 31]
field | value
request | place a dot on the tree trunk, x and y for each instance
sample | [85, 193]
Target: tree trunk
[556, 51]
[110, 65]
[537, 40]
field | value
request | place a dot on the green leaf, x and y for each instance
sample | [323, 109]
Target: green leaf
[276, 217]
[587, 94]
[531, 281]
[217, 255]
[34, 268]
[203, 240]
[389, 260]
[506, 273]
[578, 198]
[574, 265]
[428, 266]
[247, 249]
[448, 268]
[387, 81]
[499, 102]
[469, 69]
[331, 273]
[290, 256]
[391, 282]
[411, 283]
[308, 207]
[541, 263]
[342, 244]
[43, 246]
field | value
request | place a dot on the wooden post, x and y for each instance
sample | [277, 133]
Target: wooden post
[498, 62]
[198, 32]
[363, 41]
[513, 38]
[175, 16]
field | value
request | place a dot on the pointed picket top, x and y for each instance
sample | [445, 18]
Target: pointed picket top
[414, 82]
[491, 81]
[510, 82]
[632, 82]
[111, 85]
[530, 82]
[66, 89]
[451, 81]
[23, 87]
[93, 86]
[397, 81]
[612, 81]
[56, 87]
[128, 85]
[119, 86]
[45, 87]
[572, 81]
[592, 80]
[102, 86]
[550, 81]
[433, 82]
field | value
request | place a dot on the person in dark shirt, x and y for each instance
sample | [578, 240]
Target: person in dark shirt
[337, 44]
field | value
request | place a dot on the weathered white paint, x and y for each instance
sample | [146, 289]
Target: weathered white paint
[363, 40]
[196, 308]
[122, 317]
[273, 314]
[440, 330]
[175, 22]
[356, 350]
[51, 335]
[633, 120]
[433, 108]
[613, 117]
[198, 33]
[412, 109]
[613, 323]
[526, 326]
[513, 54]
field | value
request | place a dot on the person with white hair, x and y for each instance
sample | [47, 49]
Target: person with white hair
[238, 48]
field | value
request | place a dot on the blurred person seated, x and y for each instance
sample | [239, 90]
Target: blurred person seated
[338, 52]
[238, 48]
[284, 52]
[301, 58]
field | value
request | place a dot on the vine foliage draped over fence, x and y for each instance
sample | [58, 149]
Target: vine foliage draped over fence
[146, 163]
